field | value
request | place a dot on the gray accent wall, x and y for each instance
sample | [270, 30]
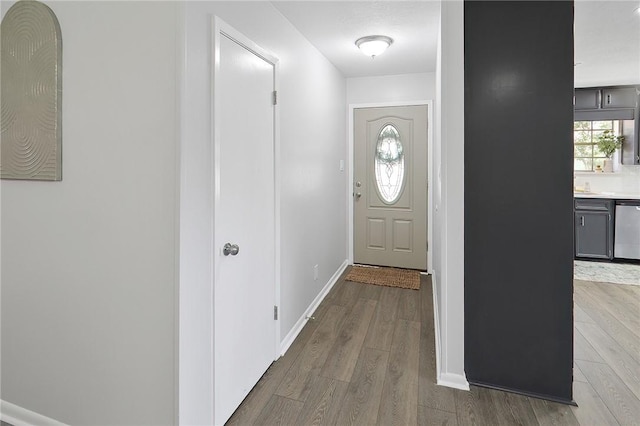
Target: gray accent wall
[518, 196]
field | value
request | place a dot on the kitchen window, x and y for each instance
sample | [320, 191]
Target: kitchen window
[586, 155]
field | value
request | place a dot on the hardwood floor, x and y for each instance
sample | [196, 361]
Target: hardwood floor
[369, 358]
[607, 383]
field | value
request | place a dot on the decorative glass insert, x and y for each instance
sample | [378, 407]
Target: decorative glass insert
[389, 164]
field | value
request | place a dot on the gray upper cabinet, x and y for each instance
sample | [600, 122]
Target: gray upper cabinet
[587, 99]
[605, 98]
[623, 97]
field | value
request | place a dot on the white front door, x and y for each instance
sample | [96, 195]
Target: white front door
[244, 289]
[390, 186]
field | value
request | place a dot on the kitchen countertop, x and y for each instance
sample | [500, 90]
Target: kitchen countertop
[609, 195]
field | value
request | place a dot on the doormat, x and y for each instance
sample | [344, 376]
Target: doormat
[391, 277]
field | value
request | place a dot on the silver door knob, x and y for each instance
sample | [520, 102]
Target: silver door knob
[230, 249]
[357, 195]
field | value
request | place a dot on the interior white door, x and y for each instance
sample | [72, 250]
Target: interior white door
[244, 289]
[390, 186]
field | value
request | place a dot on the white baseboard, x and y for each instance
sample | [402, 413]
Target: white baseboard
[456, 381]
[18, 416]
[436, 322]
[295, 330]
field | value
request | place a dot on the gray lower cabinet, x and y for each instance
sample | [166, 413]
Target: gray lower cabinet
[594, 228]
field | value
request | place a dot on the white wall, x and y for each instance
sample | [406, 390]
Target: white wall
[89, 263]
[391, 88]
[311, 103]
[449, 195]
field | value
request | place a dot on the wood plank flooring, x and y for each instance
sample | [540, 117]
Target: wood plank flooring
[610, 325]
[369, 358]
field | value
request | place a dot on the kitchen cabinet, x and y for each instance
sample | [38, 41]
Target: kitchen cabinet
[587, 99]
[619, 97]
[605, 98]
[594, 228]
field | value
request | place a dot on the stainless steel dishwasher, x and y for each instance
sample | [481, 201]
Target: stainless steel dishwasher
[627, 231]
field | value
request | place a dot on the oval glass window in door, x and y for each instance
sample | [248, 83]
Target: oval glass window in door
[389, 164]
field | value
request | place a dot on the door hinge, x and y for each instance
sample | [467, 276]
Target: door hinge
[275, 97]
[275, 313]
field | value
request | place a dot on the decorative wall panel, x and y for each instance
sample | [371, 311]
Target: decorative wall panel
[31, 93]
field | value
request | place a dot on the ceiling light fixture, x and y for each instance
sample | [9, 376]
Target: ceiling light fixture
[373, 45]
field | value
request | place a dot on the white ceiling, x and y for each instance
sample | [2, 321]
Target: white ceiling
[334, 26]
[607, 36]
[607, 43]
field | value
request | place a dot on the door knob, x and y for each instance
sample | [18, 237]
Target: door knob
[230, 249]
[357, 195]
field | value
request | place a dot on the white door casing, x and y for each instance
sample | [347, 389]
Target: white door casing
[390, 227]
[245, 330]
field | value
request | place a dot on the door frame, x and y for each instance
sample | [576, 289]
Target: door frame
[221, 29]
[194, 226]
[429, 162]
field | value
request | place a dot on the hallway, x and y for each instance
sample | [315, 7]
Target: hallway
[369, 358]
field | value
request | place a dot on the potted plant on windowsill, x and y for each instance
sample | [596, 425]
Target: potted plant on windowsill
[608, 143]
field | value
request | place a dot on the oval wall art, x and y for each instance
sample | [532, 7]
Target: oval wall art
[31, 93]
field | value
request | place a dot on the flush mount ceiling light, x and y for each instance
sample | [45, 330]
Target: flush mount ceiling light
[373, 45]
